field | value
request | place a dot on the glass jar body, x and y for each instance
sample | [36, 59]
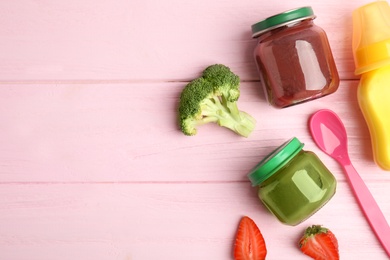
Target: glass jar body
[298, 189]
[295, 64]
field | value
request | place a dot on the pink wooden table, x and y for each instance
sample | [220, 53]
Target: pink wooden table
[92, 164]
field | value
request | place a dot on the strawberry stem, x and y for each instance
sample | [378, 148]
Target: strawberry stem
[315, 229]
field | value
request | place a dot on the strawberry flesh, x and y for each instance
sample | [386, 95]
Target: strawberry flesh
[319, 243]
[249, 244]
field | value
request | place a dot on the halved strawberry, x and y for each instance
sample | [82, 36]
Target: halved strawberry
[319, 243]
[250, 244]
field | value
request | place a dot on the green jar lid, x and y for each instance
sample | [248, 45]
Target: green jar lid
[274, 161]
[282, 19]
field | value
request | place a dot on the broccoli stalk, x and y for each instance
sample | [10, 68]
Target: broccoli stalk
[213, 98]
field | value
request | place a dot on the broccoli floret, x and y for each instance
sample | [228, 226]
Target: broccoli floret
[213, 98]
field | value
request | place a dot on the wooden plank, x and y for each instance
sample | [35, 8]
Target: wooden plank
[96, 40]
[92, 163]
[163, 221]
[129, 132]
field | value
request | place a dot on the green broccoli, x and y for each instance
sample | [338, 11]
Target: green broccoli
[213, 98]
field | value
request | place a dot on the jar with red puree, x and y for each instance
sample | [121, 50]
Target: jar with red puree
[294, 58]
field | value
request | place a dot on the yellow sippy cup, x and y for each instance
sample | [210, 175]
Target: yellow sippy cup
[371, 49]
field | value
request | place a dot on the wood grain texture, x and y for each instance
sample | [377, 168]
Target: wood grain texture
[146, 40]
[158, 221]
[92, 163]
[129, 132]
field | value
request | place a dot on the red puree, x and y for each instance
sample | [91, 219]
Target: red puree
[294, 58]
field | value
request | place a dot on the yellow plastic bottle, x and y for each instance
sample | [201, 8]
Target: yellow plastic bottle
[371, 49]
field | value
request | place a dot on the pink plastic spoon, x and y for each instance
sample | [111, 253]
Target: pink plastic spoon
[330, 135]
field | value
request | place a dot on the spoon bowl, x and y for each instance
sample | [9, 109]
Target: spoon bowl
[330, 135]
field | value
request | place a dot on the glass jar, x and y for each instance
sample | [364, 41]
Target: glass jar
[294, 58]
[292, 183]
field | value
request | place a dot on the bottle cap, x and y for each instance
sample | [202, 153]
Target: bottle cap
[371, 36]
[274, 161]
[282, 19]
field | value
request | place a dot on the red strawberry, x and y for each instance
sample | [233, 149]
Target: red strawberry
[250, 244]
[319, 243]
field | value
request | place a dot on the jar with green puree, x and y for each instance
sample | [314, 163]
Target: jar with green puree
[293, 183]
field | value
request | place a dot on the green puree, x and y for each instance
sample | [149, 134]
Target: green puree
[299, 189]
[293, 183]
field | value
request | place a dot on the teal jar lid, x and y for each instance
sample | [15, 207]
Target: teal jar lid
[282, 19]
[274, 161]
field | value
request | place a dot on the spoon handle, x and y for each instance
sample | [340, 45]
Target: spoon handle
[370, 208]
